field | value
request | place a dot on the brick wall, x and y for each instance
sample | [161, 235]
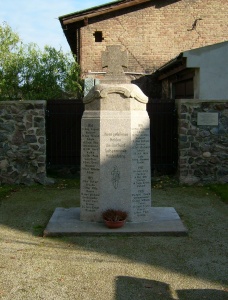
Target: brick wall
[22, 142]
[203, 149]
[155, 32]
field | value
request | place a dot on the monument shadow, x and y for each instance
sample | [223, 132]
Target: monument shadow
[131, 288]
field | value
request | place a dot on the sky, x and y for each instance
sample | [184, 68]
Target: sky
[36, 21]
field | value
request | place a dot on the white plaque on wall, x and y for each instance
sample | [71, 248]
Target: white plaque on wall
[207, 119]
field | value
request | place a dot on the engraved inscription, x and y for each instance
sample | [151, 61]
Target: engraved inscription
[115, 146]
[140, 171]
[90, 167]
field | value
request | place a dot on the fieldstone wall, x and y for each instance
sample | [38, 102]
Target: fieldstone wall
[203, 149]
[22, 142]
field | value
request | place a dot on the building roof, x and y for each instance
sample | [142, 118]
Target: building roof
[71, 23]
[99, 10]
[181, 62]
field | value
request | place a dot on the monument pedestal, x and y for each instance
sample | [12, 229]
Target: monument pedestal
[115, 169]
[164, 221]
[115, 153]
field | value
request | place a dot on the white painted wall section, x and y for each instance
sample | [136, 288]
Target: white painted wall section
[212, 61]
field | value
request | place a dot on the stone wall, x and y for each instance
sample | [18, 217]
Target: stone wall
[22, 142]
[203, 149]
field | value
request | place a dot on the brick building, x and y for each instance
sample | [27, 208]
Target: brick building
[152, 31]
[177, 49]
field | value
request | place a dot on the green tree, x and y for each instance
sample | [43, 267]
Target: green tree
[10, 52]
[29, 73]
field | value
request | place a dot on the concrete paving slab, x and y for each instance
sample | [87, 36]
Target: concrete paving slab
[66, 222]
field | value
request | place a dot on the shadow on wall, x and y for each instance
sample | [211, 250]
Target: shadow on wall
[150, 86]
[140, 288]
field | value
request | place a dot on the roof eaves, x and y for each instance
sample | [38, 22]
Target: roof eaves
[98, 10]
[170, 63]
[88, 9]
[173, 66]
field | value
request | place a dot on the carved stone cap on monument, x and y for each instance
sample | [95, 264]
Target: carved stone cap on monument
[115, 97]
[114, 59]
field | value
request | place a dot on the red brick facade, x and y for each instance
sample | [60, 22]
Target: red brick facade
[154, 32]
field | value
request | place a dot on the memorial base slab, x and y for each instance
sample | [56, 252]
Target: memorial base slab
[164, 221]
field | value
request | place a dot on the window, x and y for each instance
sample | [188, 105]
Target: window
[98, 36]
[183, 89]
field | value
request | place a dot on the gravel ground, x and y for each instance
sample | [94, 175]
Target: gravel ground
[113, 268]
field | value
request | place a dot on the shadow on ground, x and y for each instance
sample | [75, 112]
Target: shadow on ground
[202, 256]
[155, 290]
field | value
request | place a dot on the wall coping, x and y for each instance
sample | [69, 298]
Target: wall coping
[195, 101]
[9, 102]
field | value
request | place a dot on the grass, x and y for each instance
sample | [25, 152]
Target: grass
[38, 230]
[60, 183]
[220, 190]
[112, 267]
[6, 190]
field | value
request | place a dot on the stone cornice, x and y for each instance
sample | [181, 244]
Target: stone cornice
[127, 90]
